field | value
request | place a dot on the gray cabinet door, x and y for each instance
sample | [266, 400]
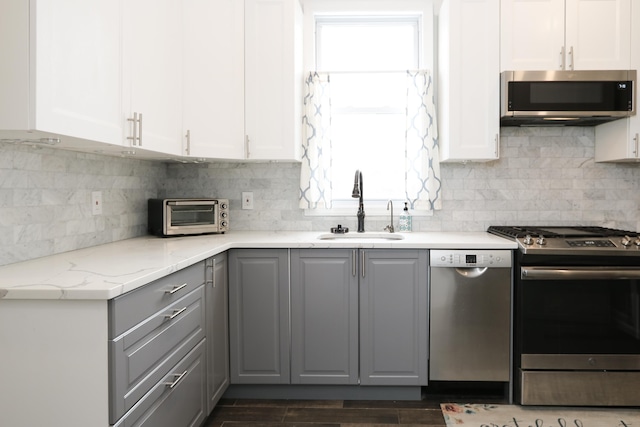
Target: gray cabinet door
[217, 306]
[324, 316]
[259, 316]
[393, 317]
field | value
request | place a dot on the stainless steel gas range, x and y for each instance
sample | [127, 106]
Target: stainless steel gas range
[576, 315]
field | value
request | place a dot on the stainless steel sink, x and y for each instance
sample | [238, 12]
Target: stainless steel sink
[365, 235]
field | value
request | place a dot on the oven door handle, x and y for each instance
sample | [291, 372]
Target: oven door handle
[575, 273]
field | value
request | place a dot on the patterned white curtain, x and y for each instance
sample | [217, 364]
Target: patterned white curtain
[423, 179]
[315, 175]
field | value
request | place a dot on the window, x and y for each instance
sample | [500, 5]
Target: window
[367, 58]
[367, 48]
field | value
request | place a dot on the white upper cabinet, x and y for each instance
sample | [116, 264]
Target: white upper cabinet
[243, 79]
[60, 74]
[152, 74]
[565, 34]
[213, 114]
[468, 80]
[619, 141]
[273, 79]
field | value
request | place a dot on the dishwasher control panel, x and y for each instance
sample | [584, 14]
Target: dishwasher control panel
[469, 258]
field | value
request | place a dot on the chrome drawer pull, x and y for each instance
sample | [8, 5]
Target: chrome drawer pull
[176, 289]
[177, 380]
[175, 314]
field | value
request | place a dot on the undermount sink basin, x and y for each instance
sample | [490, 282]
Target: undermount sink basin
[365, 235]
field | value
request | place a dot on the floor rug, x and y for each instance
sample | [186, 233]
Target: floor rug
[485, 415]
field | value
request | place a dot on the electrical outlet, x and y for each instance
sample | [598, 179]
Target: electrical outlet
[96, 203]
[247, 200]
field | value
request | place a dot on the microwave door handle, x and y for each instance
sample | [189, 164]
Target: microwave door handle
[186, 203]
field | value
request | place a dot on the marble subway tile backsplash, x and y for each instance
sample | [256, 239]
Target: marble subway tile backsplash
[545, 176]
[45, 200]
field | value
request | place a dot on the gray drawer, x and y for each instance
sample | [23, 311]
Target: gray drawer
[139, 358]
[158, 407]
[129, 309]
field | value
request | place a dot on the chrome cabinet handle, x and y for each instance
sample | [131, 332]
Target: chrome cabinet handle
[354, 272]
[140, 129]
[134, 138]
[247, 154]
[570, 58]
[636, 139]
[362, 253]
[562, 60]
[497, 139]
[175, 289]
[210, 267]
[188, 136]
[175, 314]
[175, 382]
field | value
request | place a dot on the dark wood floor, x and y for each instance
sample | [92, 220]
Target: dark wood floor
[335, 413]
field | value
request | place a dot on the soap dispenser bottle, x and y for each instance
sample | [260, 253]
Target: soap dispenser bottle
[405, 219]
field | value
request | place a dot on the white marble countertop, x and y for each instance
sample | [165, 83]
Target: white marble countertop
[106, 271]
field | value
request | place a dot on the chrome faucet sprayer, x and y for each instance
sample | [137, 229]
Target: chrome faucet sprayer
[358, 193]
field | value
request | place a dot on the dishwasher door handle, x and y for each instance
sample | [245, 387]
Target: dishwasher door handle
[471, 272]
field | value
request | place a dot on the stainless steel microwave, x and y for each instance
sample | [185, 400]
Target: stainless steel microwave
[567, 98]
[178, 217]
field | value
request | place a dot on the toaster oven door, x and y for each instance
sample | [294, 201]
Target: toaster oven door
[192, 217]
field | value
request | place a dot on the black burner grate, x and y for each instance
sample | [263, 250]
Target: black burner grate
[556, 231]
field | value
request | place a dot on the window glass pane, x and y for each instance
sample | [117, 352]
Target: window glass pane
[374, 144]
[373, 90]
[370, 46]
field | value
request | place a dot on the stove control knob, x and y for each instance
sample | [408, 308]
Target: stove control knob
[541, 240]
[637, 242]
[527, 240]
[626, 241]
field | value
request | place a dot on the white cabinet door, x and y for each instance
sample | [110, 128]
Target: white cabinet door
[213, 112]
[532, 34]
[598, 34]
[469, 88]
[619, 141]
[152, 43]
[559, 34]
[61, 74]
[273, 79]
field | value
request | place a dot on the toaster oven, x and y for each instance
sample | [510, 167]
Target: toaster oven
[179, 217]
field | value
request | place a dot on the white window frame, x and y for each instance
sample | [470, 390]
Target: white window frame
[422, 9]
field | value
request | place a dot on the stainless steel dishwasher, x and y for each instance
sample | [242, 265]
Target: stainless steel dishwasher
[470, 311]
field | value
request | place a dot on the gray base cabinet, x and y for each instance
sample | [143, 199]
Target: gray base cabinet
[157, 353]
[259, 316]
[324, 316]
[394, 317]
[217, 328]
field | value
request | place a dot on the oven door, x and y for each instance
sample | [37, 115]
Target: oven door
[191, 217]
[578, 335]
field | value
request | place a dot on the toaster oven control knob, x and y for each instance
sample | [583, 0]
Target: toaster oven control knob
[527, 240]
[541, 240]
[223, 223]
[223, 206]
[223, 214]
[626, 241]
